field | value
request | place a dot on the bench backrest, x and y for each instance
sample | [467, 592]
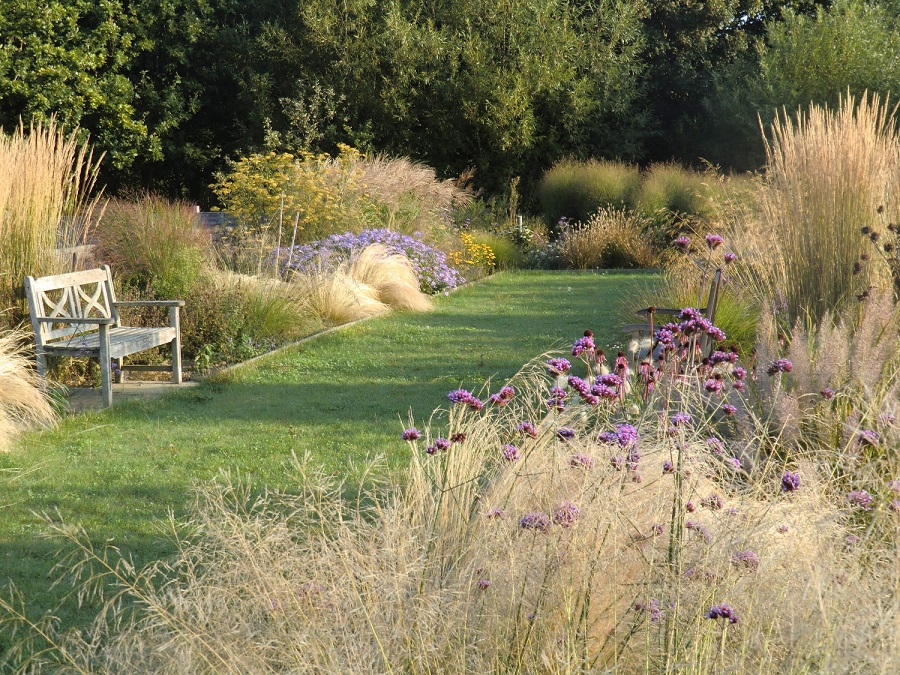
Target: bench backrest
[75, 295]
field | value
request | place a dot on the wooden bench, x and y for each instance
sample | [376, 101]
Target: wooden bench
[76, 314]
[641, 338]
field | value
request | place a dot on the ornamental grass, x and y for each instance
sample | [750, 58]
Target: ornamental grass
[588, 516]
[24, 397]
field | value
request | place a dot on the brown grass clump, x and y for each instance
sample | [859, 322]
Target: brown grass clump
[46, 179]
[23, 394]
[610, 238]
[392, 276]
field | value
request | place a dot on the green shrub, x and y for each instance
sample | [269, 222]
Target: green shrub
[506, 254]
[576, 189]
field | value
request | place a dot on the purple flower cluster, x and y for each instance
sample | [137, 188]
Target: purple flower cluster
[790, 481]
[511, 453]
[584, 390]
[557, 398]
[713, 502]
[581, 461]
[867, 437]
[439, 445]
[693, 322]
[699, 528]
[582, 345]
[430, 264]
[714, 241]
[722, 611]
[651, 607]
[484, 584]
[566, 513]
[466, 398]
[680, 419]
[558, 366]
[411, 434]
[716, 445]
[860, 498]
[565, 434]
[747, 559]
[535, 520]
[527, 428]
[780, 366]
[503, 396]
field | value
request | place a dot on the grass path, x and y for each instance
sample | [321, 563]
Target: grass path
[341, 397]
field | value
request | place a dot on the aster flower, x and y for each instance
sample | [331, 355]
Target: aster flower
[780, 366]
[790, 481]
[860, 498]
[565, 434]
[566, 513]
[581, 461]
[511, 453]
[722, 611]
[527, 428]
[558, 366]
[535, 520]
[411, 434]
[747, 559]
[714, 241]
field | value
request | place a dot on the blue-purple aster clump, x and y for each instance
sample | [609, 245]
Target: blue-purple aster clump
[566, 514]
[535, 520]
[790, 481]
[430, 264]
[722, 611]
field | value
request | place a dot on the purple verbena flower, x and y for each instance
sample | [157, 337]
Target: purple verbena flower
[867, 437]
[734, 462]
[713, 386]
[722, 611]
[790, 481]
[581, 461]
[728, 409]
[700, 529]
[566, 513]
[729, 257]
[747, 559]
[738, 373]
[780, 366]
[460, 396]
[411, 434]
[716, 445]
[558, 366]
[714, 241]
[484, 584]
[668, 467]
[495, 513]
[682, 243]
[511, 453]
[827, 393]
[527, 428]
[713, 502]
[535, 520]
[680, 419]
[565, 433]
[860, 498]
[582, 345]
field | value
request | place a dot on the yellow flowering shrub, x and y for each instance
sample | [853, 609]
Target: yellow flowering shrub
[473, 254]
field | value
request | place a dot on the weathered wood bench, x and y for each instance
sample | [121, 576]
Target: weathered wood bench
[76, 314]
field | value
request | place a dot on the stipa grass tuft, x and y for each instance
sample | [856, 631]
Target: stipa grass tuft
[24, 397]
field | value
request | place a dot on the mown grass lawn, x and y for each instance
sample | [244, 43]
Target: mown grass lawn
[342, 397]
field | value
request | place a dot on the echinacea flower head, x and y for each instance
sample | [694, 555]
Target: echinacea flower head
[714, 241]
[535, 520]
[860, 498]
[411, 434]
[746, 559]
[780, 366]
[566, 513]
[790, 481]
[558, 366]
[511, 453]
[722, 611]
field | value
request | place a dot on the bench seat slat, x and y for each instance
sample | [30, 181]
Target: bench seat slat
[122, 342]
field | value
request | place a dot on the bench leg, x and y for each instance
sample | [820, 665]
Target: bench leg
[175, 321]
[105, 366]
[41, 360]
[120, 374]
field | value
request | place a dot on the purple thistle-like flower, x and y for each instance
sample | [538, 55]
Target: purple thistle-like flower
[728, 409]
[690, 507]
[535, 520]
[527, 428]
[460, 396]
[627, 435]
[507, 392]
[729, 257]
[867, 437]
[565, 433]
[558, 366]
[484, 584]
[738, 373]
[713, 386]
[827, 393]
[716, 445]
[495, 513]
[604, 392]
[860, 498]
[714, 241]
[790, 481]
[747, 559]
[722, 611]
[680, 419]
[582, 345]
[738, 384]
[668, 467]
[581, 461]
[682, 243]
[618, 463]
[734, 462]
[566, 513]
[780, 366]
[511, 453]
[411, 434]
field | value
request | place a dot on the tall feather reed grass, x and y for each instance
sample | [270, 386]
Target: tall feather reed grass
[548, 559]
[47, 202]
[24, 396]
[610, 238]
[372, 282]
[828, 171]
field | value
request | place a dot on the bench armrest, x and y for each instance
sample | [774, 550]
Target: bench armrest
[96, 321]
[149, 303]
